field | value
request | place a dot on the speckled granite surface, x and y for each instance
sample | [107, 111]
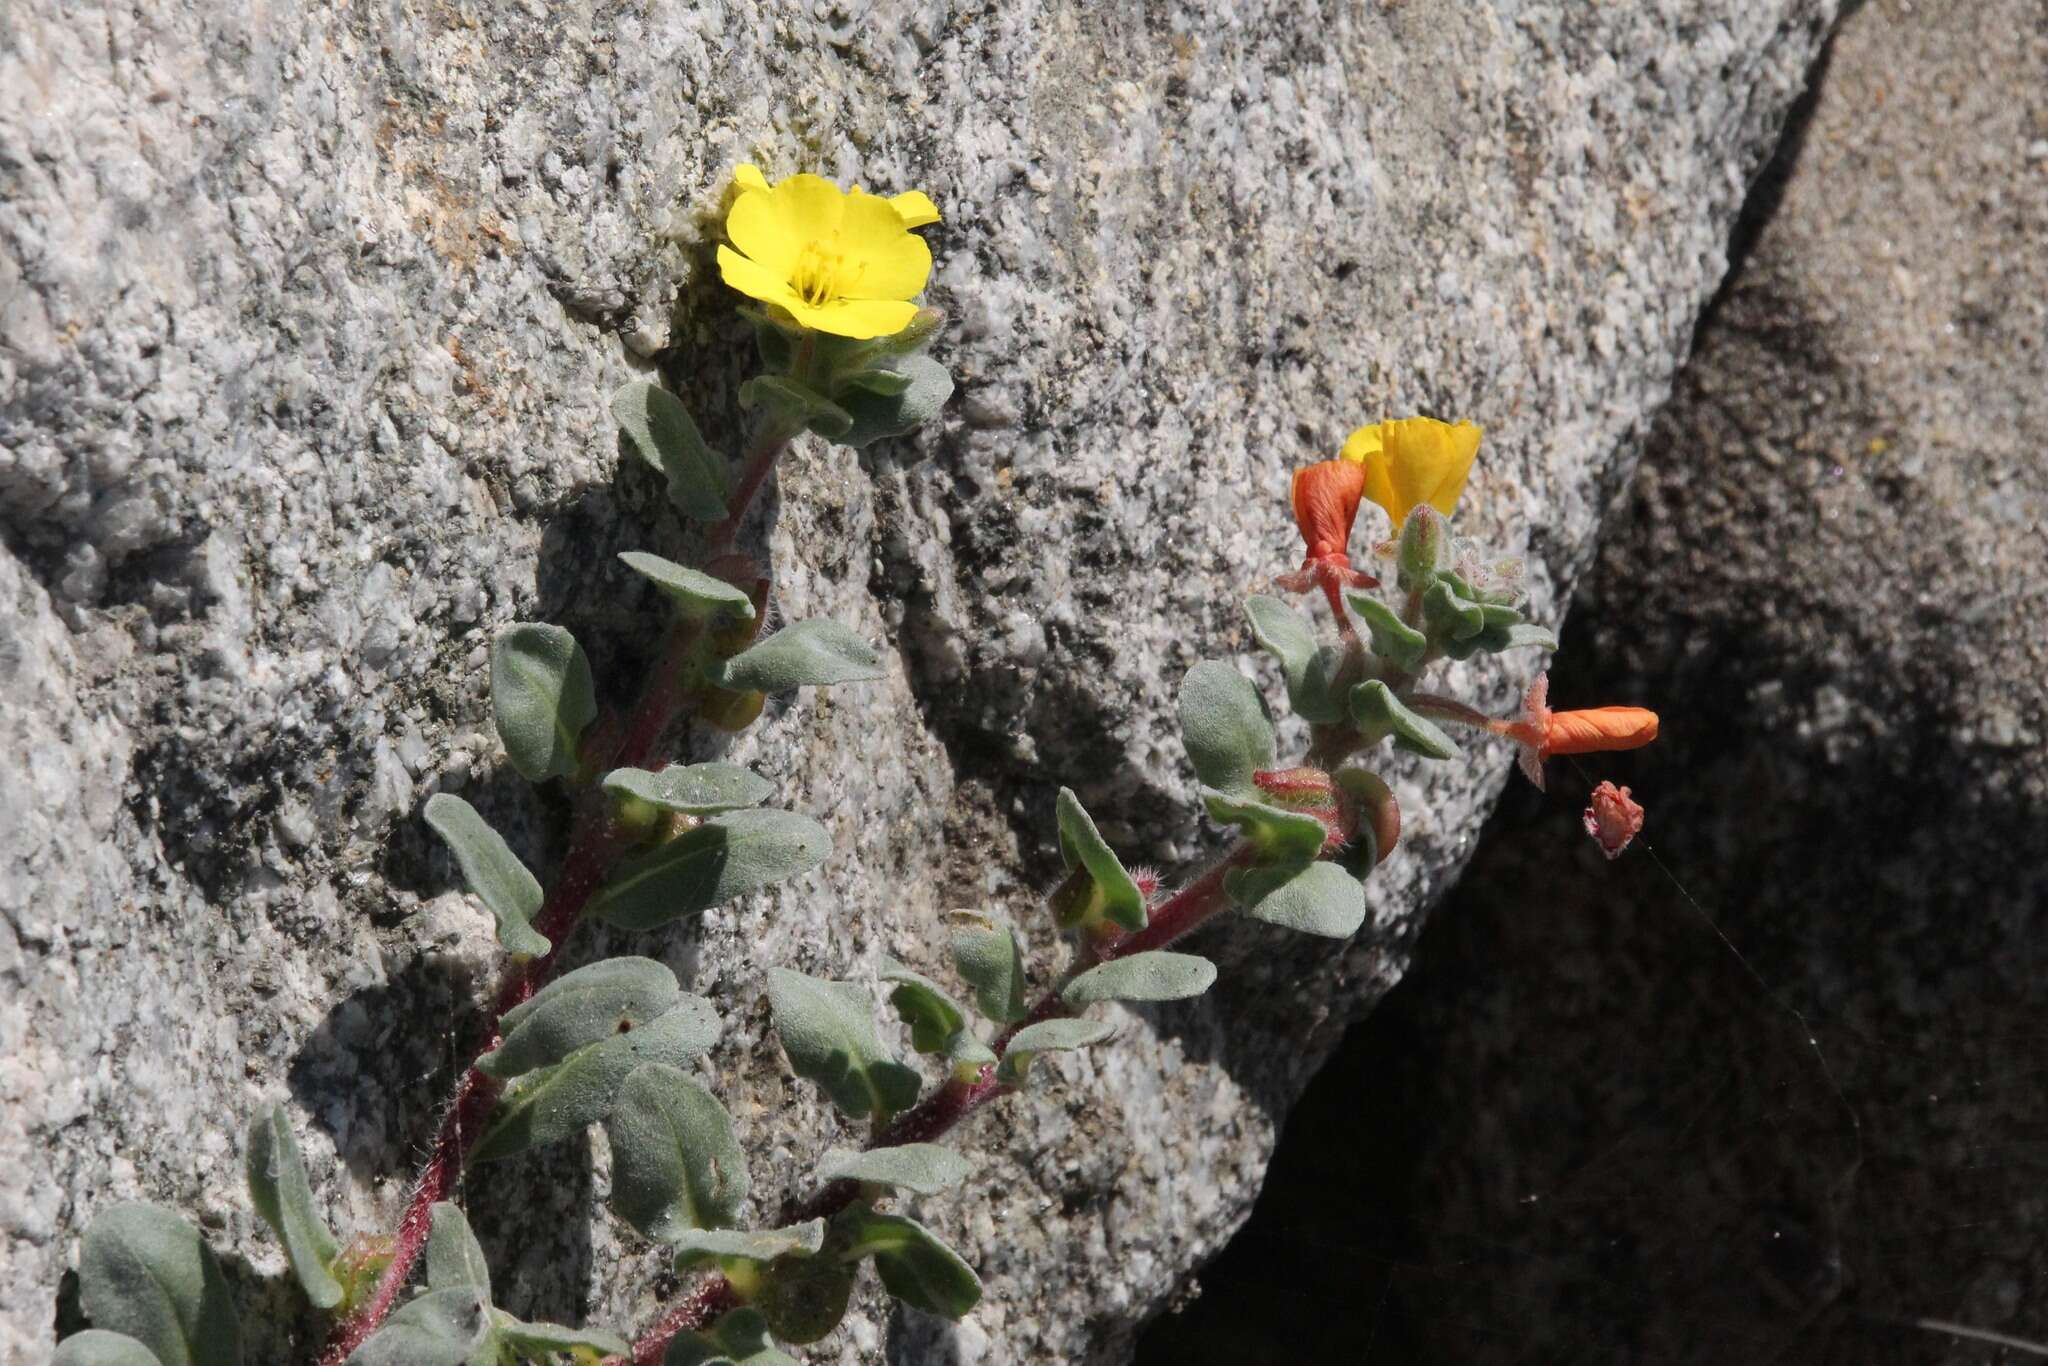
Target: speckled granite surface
[307, 322]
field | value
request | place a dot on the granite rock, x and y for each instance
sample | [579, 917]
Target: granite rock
[1597, 1130]
[308, 319]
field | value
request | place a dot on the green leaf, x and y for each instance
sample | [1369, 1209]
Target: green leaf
[797, 403]
[828, 1031]
[1320, 898]
[694, 789]
[1289, 638]
[676, 1165]
[1155, 975]
[455, 1260]
[886, 383]
[1278, 834]
[987, 956]
[558, 1101]
[916, 1267]
[451, 1327]
[1448, 616]
[1047, 1036]
[698, 1245]
[727, 856]
[804, 1298]
[965, 1049]
[1080, 842]
[1393, 639]
[580, 1008]
[282, 1195]
[1224, 725]
[877, 415]
[660, 429]
[1496, 638]
[922, 1168]
[145, 1273]
[1379, 712]
[696, 594]
[97, 1347]
[739, 1338]
[933, 1016]
[493, 872]
[818, 652]
[542, 698]
[546, 1341]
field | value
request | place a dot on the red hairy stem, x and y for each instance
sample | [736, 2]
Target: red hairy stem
[957, 1100]
[595, 842]
[755, 467]
[712, 1297]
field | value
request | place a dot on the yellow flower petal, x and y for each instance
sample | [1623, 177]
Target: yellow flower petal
[748, 177]
[860, 319]
[809, 207]
[884, 259]
[915, 208]
[1414, 460]
[752, 279]
[757, 229]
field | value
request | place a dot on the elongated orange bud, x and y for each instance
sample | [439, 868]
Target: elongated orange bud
[1601, 728]
[1542, 732]
[1325, 497]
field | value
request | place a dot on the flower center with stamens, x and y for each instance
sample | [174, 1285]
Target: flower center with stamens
[821, 274]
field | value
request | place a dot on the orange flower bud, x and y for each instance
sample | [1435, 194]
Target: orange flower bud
[1612, 819]
[1325, 497]
[1542, 732]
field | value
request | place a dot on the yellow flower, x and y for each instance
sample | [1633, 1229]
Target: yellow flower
[1414, 460]
[914, 207]
[839, 263]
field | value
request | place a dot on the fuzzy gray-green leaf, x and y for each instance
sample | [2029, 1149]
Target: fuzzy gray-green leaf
[284, 1197]
[557, 1101]
[1377, 709]
[145, 1272]
[828, 1031]
[451, 1327]
[455, 1260]
[547, 1341]
[926, 386]
[1081, 843]
[98, 1347]
[693, 789]
[542, 697]
[987, 955]
[493, 872]
[816, 652]
[676, 1165]
[1224, 725]
[725, 857]
[595, 1002]
[696, 594]
[922, 1168]
[1393, 639]
[797, 404]
[660, 428]
[915, 1266]
[1279, 835]
[1318, 898]
[1048, 1036]
[1289, 638]
[1156, 975]
[739, 1338]
[695, 1246]
[933, 1016]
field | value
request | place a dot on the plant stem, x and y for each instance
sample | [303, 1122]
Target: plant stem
[595, 841]
[938, 1113]
[770, 438]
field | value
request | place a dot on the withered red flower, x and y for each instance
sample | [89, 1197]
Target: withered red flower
[1325, 497]
[1613, 819]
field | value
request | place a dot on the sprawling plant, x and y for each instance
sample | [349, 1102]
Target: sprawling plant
[837, 275]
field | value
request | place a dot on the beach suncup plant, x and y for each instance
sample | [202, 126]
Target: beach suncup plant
[833, 278]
